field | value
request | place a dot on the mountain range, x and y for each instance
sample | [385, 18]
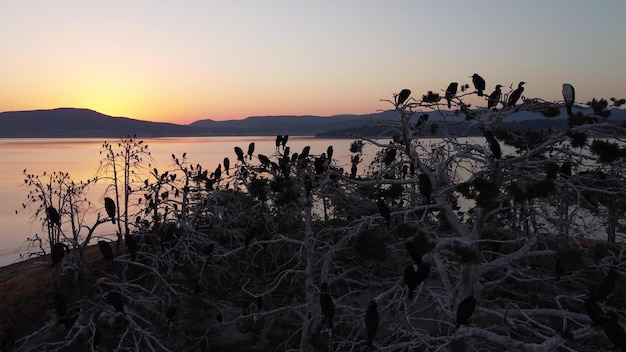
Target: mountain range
[85, 123]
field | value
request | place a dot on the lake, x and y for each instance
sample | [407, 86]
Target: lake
[81, 157]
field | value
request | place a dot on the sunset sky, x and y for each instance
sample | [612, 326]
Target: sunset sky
[182, 61]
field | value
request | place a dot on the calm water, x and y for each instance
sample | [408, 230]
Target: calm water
[80, 157]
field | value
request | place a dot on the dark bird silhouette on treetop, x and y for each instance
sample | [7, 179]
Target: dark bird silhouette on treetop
[109, 206]
[239, 153]
[329, 153]
[569, 95]
[284, 140]
[414, 251]
[517, 93]
[57, 253]
[115, 299]
[305, 152]
[451, 92]
[384, 211]
[402, 97]
[327, 305]
[106, 250]
[53, 216]
[390, 156]
[494, 97]
[410, 279]
[250, 150]
[465, 310]
[371, 322]
[425, 187]
[227, 165]
[279, 139]
[479, 84]
[494, 146]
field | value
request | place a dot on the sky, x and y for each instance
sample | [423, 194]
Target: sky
[182, 61]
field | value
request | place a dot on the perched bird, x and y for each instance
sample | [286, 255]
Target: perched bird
[109, 206]
[390, 156]
[279, 139]
[327, 305]
[106, 250]
[131, 245]
[479, 84]
[410, 279]
[53, 216]
[239, 153]
[465, 310]
[402, 97]
[371, 322]
[614, 331]
[283, 142]
[494, 146]
[250, 150]
[425, 187]
[227, 165]
[422, 272]
[606, 285]
[218, 172]
[265, 161]
[115, 299]
[451, 92]
[414, 252]
[57, 253]
[170, 314]
[517, 93]
[329, 153]
[384, 211]
[305, 152]
[494, 97]
[569, 95]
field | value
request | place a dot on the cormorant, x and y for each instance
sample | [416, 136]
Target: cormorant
[451, 92]
[131, 245]
[371, 322]
[279, 139]
[239, 153]
[494, 146]
[390, 156]
[250, 150]
[569, 95]
[106, 250]
[517, 93]
[283, 142]
[227, 165]
[319, 164]
[425, 187]
[414, 252]
[479, 84]
[410, 279]
[465, 310]
[384, 211]
[614, 331]
[402, 97]
[422, 272]
[218, 172]
[109, 206]
[53, 216]
[170, 314]
[329, 153]
[327, 305]
[115, 299]
[305, 152]
[265, 161]
[57, 253]
[607, 285]
[494, 97]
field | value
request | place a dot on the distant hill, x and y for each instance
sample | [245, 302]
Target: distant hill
[70, 122]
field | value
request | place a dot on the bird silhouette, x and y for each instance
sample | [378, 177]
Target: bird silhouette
[57, 253]
[284, 140]
[451, 92]
[569, 95]
[250, 150]
[465, 310]
[115, 299]
[390, 156]
[371, 322]
[239, 153]
[327, 305]
[411, 279]
[106, 250]
[494, 97]
[329, 153]
[384, 211]
[279, 139]
[494, 146]
[53, 216]
[517, 93]
[479, 84]
[402, 97]
[109, 206]
[227, 165]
